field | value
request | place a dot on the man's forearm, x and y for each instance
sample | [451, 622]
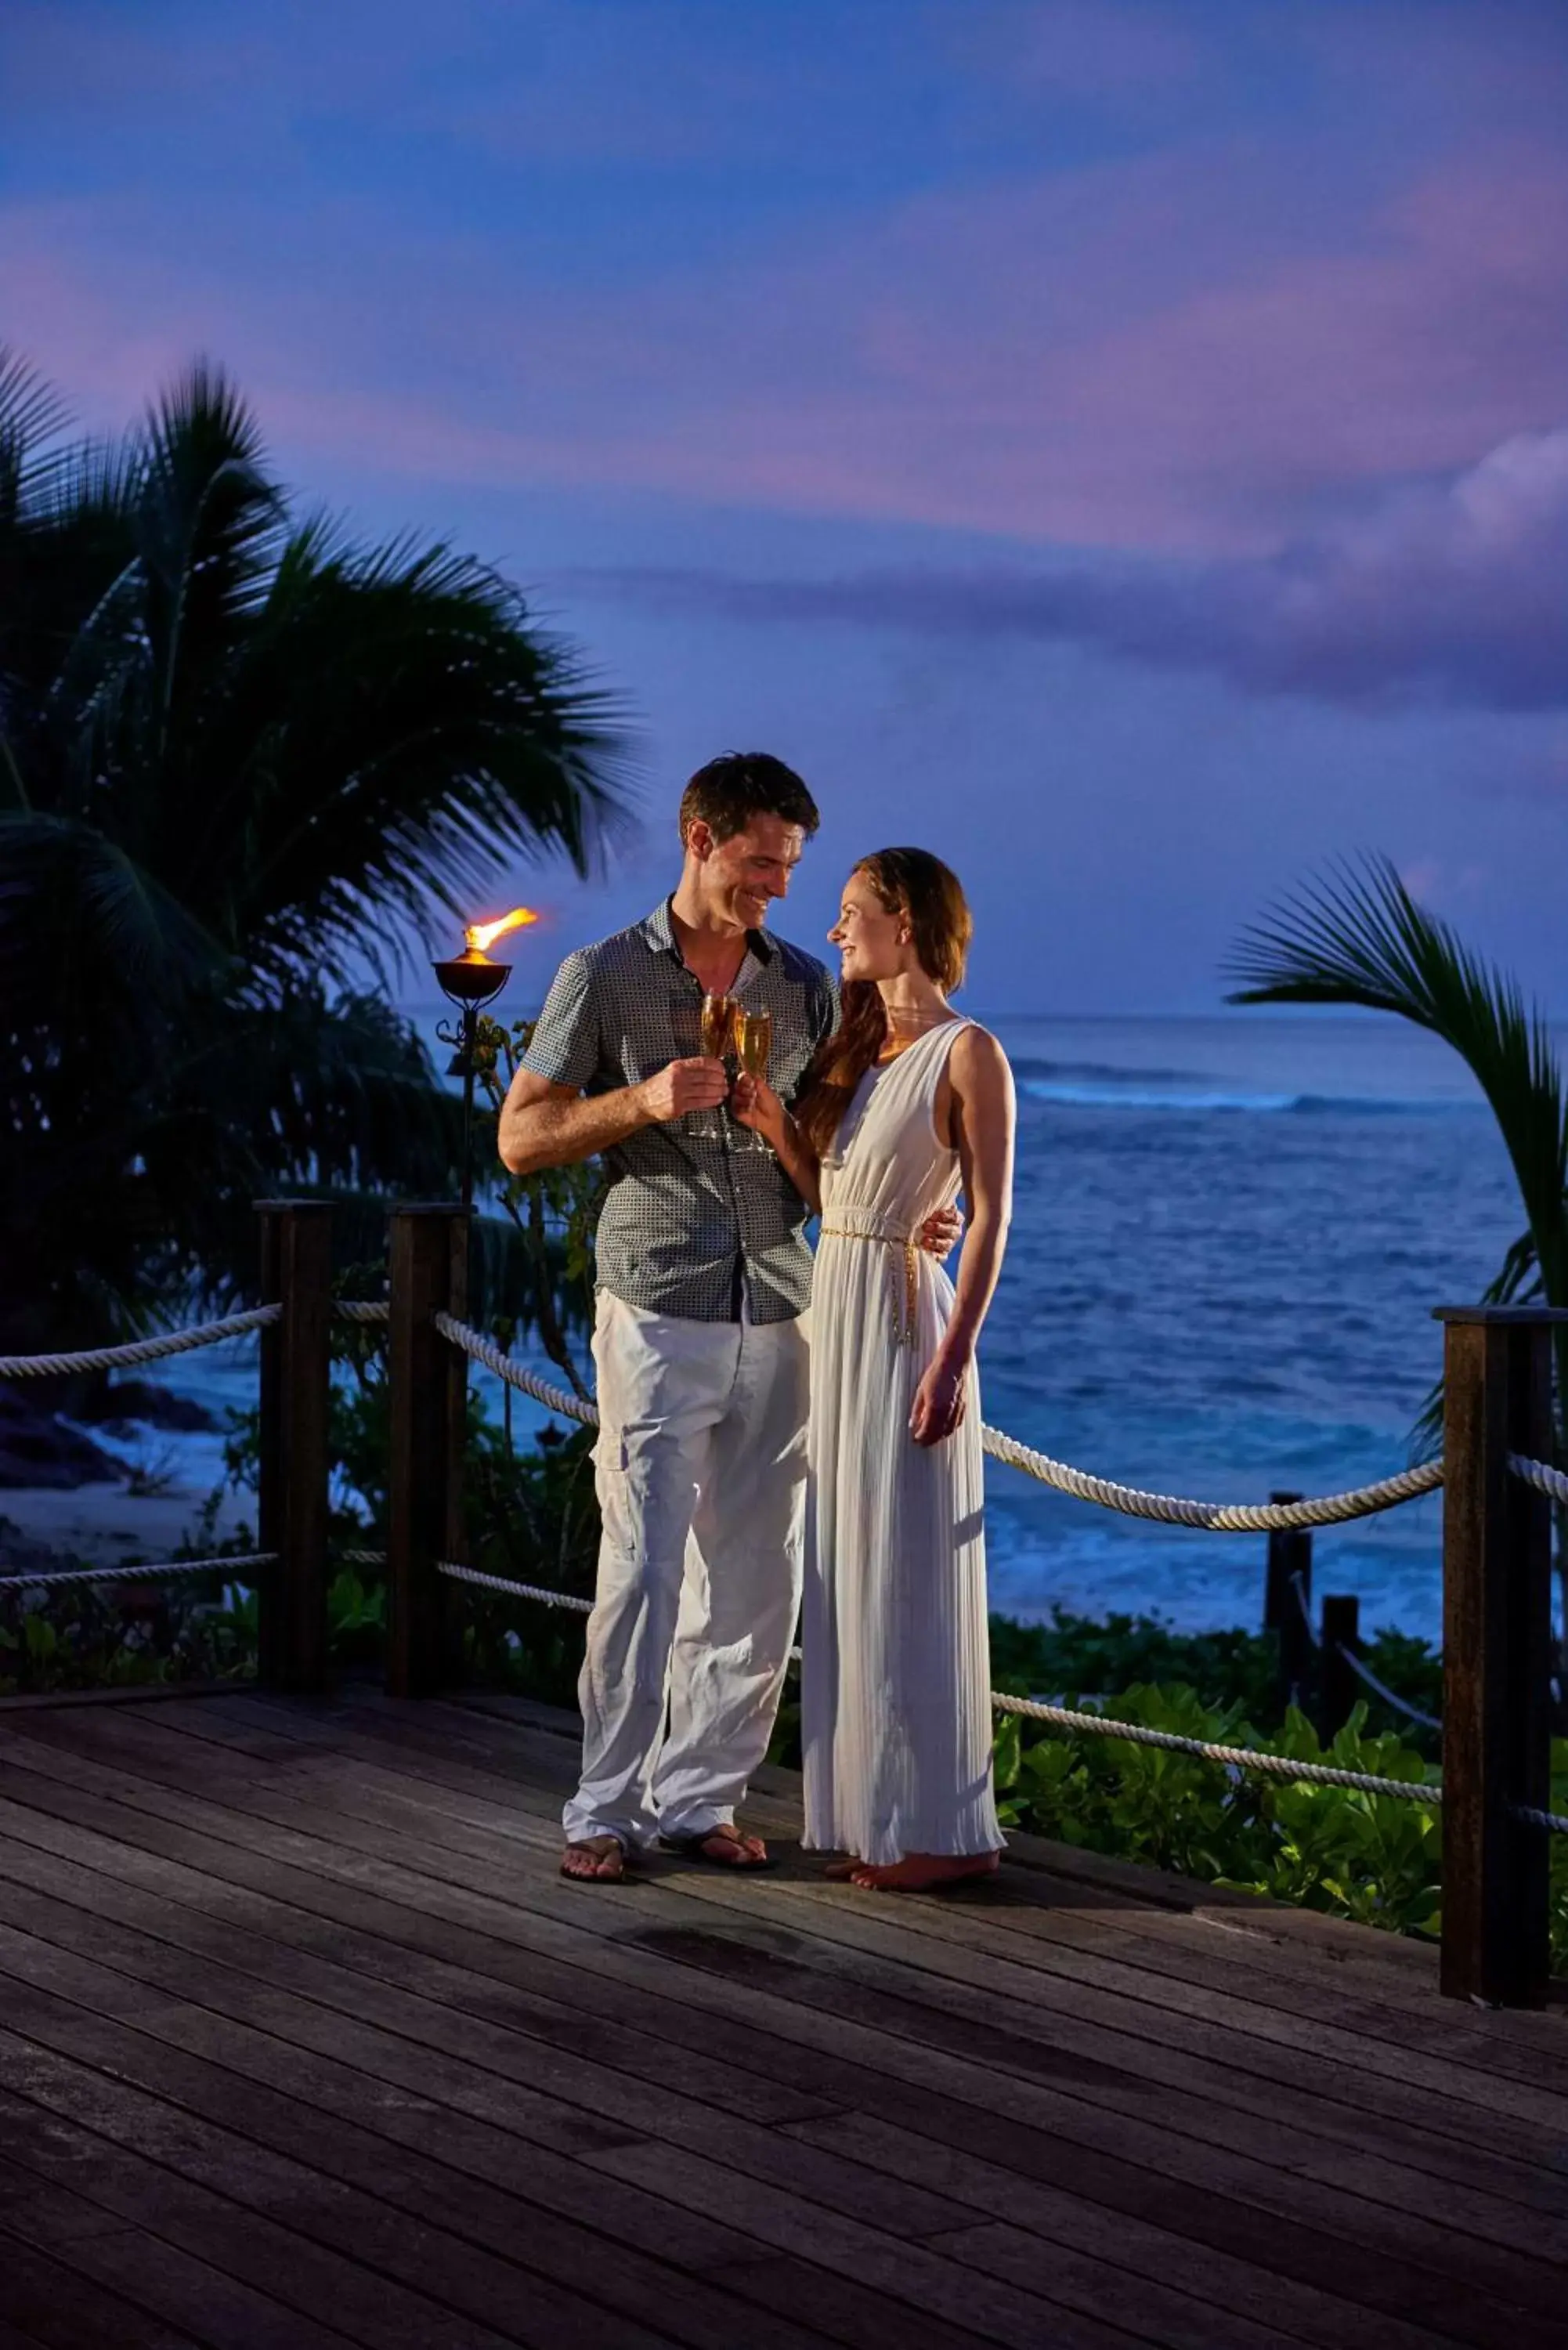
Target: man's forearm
[562, 1133]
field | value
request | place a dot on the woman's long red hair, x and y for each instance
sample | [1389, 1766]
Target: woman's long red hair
[929, 894]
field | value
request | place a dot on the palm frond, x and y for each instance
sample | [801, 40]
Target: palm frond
[68, 893]
[32, 414]
[1360, 938]
[240, 754]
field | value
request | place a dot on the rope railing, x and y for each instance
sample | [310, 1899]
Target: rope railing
[1214, 1517]
[479, 1350]
[175, 1342]
[1241, 1758]
[1100, 1725]
[1556, 1822]
[1541, 1475]
[1246, 1758]
[157, 1573]
[138, 1350]
[1380, 1688]
[1219, 1517]
[547, 1597]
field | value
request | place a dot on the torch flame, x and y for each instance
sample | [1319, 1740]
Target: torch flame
[481, 936]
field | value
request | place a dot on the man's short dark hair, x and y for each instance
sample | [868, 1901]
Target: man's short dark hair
[730, 790]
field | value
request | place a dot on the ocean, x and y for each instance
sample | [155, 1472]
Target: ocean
[1229, 1236]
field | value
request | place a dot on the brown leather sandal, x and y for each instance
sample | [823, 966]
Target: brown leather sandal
[695, 1848]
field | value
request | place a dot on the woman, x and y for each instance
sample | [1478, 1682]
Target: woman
[903, 1103]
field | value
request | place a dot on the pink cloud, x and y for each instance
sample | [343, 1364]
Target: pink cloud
[1454, 592]
[1181, 354]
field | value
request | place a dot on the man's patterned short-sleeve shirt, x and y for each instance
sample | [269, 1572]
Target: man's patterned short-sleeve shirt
[692, 1227]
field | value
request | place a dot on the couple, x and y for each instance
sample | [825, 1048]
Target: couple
[715, 1412]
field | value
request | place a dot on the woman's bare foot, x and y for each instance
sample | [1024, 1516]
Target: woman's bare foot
[600, 1859]
[838, 1872]
[920, 1872]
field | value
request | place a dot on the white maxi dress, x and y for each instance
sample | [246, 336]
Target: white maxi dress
[895, 1696]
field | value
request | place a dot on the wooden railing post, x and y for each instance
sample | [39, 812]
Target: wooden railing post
[296, 1376]
[1290, 1554]
[1497, 1392]
[429, 1388]
[1341, 1630]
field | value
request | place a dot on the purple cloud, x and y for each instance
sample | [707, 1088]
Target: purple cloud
[1458, 591]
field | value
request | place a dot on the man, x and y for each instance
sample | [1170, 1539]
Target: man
[704, 1275]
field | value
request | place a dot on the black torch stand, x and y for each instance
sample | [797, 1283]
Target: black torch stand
[470, 981]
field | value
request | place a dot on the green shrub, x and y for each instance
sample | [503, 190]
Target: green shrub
[1377, 1860]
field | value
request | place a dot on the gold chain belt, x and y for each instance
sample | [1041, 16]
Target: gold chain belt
[905, 1310]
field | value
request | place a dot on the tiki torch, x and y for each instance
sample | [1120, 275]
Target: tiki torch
[470, 981]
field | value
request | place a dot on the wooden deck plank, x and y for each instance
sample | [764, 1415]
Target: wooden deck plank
[193, 2027]
[308, 1965]
[1311, 2058]
[310, 2205]
[61, 2308]
[1395, 1981]
[841, 2184]
[1296, 1981]
[320, 2244]
[1338, 2324]
[475, 2181]
[1264, 2140]
[1321, 2075]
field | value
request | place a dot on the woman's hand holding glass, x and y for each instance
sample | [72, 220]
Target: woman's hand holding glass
[754, 1104]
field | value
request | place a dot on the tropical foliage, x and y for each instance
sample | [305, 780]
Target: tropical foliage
[1376, 1859]
[240, 754]
[1361, 938]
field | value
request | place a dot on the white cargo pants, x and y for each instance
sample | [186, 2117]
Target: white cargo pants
[700, 1468]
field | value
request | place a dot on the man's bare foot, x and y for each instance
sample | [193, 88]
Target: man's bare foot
[602, 1859]
[920, 1872]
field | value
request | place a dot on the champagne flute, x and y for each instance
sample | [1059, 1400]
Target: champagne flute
[718, 1022]
[716, 1034]
[753, 1041]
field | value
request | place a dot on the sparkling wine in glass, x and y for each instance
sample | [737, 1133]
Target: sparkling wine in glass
[717, 1037]
[755, 1039]
[718, 1024]
[754, 1042]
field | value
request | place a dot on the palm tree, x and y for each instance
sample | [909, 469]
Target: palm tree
[239, 753]
[1360, 938]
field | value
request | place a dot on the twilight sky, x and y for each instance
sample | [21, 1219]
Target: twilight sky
[1121, 447]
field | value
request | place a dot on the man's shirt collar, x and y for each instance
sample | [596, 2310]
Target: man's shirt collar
[658, 934]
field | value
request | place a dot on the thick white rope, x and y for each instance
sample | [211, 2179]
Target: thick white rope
[1278, 1766]
[1217, 1517]
[1241, 1517]
[355, 1309]
[363, 1557]
[138, 1350]
[518, 1590]
[1241, 1758]
[138, 1573]
[1545, 1479]
[480, 1351]
[1381, 1689]
[1552, 1820]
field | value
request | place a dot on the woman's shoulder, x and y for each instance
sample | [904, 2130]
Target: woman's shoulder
[976, 1053]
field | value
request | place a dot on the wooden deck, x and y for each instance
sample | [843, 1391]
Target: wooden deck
[303, 2044]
